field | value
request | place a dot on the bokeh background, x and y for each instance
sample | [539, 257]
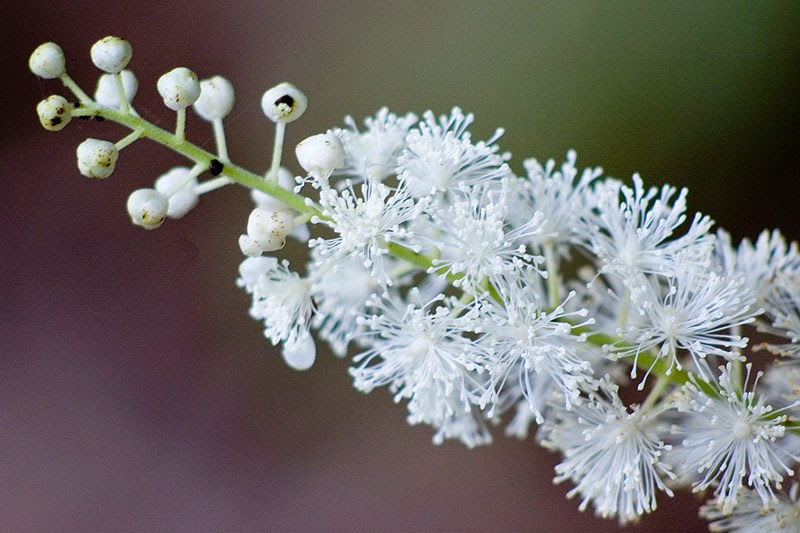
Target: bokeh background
[136, 394]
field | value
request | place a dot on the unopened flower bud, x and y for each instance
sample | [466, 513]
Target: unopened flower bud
[270, 228]
[107, 93]
[216, 98]
[184, 199]
[111, 54]
[284, 103]
[179, 88]
[54, 112]
[96, 158]
[147, 208]
[47, 61]
[320, 155]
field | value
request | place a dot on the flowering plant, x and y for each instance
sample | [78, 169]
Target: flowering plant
[480, 297]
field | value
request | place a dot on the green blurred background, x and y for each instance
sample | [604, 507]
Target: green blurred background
[138, 395]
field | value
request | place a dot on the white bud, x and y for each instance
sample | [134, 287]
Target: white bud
[284, 103]
[107, 93]
[301, 353]
[262, 199]
[147, 208]
[111, 54]
[320, 155]
[249, 246]
[179, 88]
[54, 112]
[47, 61]
[184, 199]
[270, 228]
[216, 98]
[96, 158]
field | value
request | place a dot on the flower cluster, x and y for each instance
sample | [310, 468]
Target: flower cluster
[480, 297]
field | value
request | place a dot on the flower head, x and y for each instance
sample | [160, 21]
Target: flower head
[731, 441]
[281, 300]
[612, 454]
[365, 224]
[424, 352]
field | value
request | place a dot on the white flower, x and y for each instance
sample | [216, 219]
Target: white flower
[475, 242]
[760, 262]
[365, 224]
[612, 454]
[533, 350]
[341, 296]
[633, 236]
[424, 353]
[372, 154]
[783, 308]
[730, 441]
[281, 300]
[750, 516]
[440, 156]
[555, 193]
[692, 310]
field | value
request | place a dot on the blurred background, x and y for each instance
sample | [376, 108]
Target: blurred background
[135, 392]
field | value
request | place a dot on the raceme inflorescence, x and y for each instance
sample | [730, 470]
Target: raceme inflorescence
[479, 297]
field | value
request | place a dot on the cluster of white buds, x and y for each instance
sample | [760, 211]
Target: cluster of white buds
[177, 191]
[449, 277]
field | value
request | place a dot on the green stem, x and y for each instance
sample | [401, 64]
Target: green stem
[551, 262]
[200, 156]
